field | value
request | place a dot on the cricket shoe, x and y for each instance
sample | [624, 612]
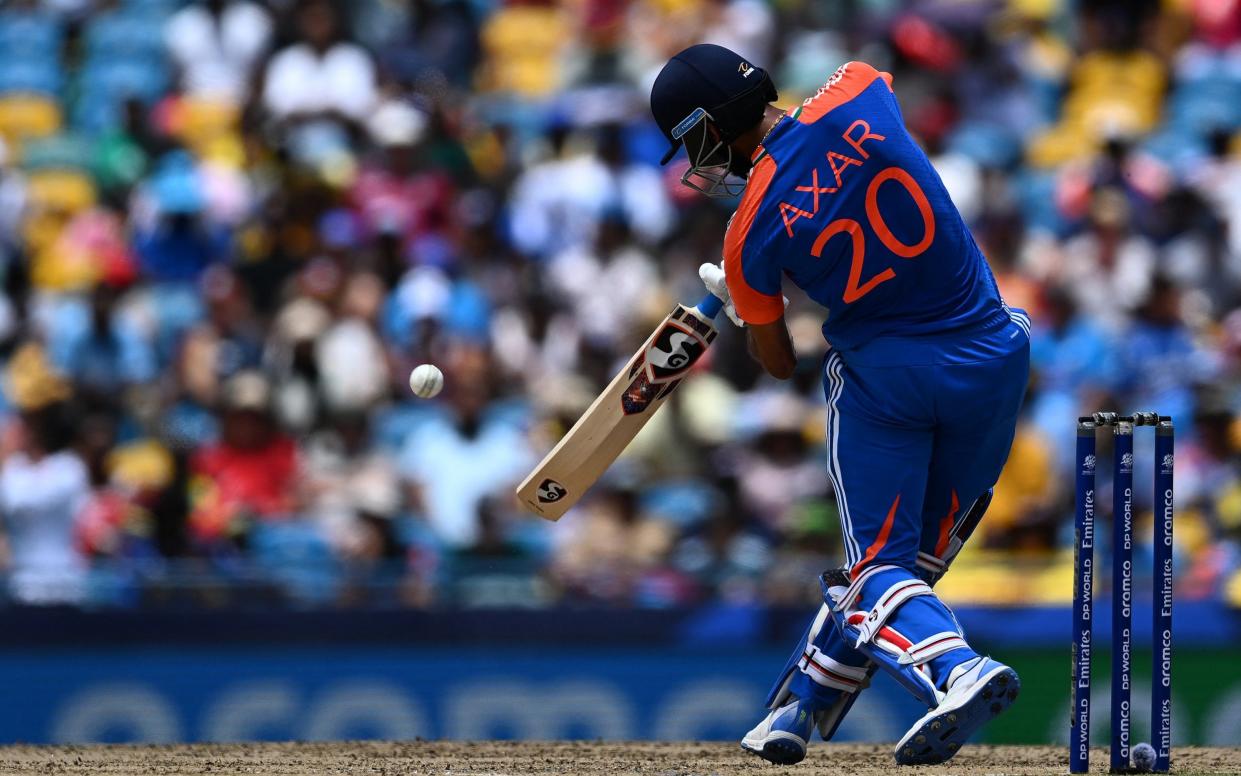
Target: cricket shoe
[980, 691]
[783, 734]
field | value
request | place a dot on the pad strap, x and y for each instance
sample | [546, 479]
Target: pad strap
[908, 653]
[824, 670]
[886, 606]
[932, 565]
[846, 601]
[932, 647]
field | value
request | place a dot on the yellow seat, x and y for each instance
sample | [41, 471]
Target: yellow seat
[141, 465]
[40, 228]
[210, 129]
[1110, 93]
[31, 381]
[66, 191]
[28, 115]
[1232, 589]
[524, 45]
[55, 196]
[198, 120]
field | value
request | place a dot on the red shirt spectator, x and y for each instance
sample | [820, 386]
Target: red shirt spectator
[251, 472]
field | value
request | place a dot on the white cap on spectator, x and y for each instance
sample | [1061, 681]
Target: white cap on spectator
[353, 372]
[247, 390]
[375, 492]
[301, 320]
[397, 123]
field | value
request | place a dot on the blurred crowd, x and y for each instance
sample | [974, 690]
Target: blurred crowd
[229, 229]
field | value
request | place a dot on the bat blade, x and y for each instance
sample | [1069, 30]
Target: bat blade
[613, 419]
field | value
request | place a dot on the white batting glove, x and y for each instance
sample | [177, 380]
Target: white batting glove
[712, 276]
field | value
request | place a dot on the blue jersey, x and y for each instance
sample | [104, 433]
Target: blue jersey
[844, 203]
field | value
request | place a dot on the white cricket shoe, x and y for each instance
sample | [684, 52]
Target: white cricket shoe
[783, 734]
[980, 690]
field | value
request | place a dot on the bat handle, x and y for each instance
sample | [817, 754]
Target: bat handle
[710, 306]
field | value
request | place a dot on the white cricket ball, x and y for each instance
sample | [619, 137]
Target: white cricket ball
[1143, 757]
[426, 380]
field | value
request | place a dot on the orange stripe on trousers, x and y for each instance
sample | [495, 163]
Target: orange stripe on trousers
[945, 527]
[880, 540]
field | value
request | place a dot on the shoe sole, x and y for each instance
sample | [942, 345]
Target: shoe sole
[940, 737]
[780, 751]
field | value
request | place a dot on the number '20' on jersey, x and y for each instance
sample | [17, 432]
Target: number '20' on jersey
[845, 204]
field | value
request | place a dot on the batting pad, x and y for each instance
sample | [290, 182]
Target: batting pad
[893, 617]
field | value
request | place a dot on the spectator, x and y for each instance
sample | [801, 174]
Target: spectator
[726, 553]
[402, 195]
[320, 87]
[351, 491]
[251, 473]
[290, 360]
[608, 283]
[1108, 268]
[1161, 363]
[436, 40]
[611, 547]
[777, 474]
[230, 339]
[1073, 358]
[560, 201]
[43, 485]
[216, 46]
[117, 521]
[173, 240]
[108, 354]
[453, 463]
[352, 365]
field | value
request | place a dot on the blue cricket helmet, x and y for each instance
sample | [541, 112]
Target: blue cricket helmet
[708, 85]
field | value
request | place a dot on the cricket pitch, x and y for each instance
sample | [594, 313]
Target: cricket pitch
[434, 758]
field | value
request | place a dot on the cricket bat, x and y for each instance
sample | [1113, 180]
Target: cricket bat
[619, 413]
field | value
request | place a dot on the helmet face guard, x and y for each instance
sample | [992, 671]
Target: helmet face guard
[710, 157]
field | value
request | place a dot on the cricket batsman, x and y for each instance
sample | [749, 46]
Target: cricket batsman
[924, 376]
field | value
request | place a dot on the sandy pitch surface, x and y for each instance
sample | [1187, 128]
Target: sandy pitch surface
[561, 759]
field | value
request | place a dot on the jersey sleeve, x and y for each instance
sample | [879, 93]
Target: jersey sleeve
[753, 276]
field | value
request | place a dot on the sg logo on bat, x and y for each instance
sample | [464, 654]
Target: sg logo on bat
[550, 491]
[673, 352]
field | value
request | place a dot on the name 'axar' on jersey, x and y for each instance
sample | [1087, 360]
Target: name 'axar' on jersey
[843, 202]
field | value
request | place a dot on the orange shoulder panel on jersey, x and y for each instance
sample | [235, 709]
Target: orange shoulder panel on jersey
[752, 306]
[849, 80]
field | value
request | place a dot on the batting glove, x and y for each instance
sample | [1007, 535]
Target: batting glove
[712, 276]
